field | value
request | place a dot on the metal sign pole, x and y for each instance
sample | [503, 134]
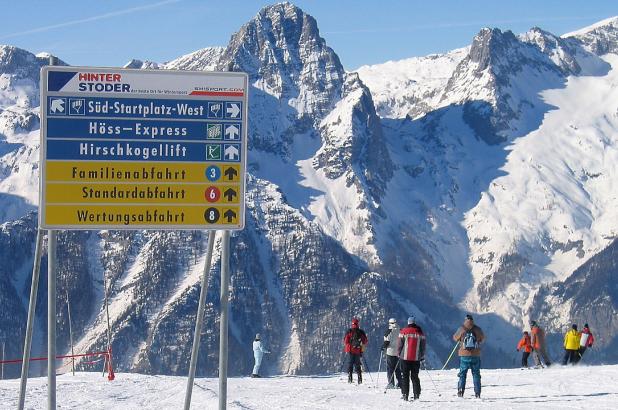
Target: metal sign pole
[70, 330]
[108, 359]
[51, 308]
[51, 319]
[199, 322]
[34, 290]
[224, 297]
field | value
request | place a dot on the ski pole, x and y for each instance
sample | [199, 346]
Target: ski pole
[367, 367]
[392, 378]
[450, 356]
[379, 367]
[429, 374]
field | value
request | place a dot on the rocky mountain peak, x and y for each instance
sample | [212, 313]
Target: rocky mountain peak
[20, 63]
[142, 65]
[284, 55]
[205, 59]
[561, 52]
[600, 38]
[489, 45]
[498, 67]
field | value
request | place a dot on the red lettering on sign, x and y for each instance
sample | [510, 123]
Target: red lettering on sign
[103, 77]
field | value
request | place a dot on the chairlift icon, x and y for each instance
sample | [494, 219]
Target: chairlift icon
[215, 110]
[77, 106]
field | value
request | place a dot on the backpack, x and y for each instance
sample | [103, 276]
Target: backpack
[355, 339]
[469, 340]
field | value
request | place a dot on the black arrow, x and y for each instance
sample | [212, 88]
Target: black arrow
[230, 173]
[229, 194]
[229, 215]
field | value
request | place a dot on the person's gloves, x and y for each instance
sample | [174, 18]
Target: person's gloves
[518, 350]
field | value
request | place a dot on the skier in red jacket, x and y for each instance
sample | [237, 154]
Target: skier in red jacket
[355, 341]
[411, 348]
[586, 341]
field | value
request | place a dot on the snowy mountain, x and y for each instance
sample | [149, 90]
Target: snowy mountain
[472, 180]
[512, 178]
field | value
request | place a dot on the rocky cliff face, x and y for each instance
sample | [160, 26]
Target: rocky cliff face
[589, 295]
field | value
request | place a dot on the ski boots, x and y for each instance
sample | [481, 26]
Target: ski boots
[460, 393]
[350, 378]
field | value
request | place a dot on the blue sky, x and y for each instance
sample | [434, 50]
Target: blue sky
[111, 32]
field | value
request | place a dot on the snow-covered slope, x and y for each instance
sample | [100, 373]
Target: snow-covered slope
[410, 87]
[555, 388]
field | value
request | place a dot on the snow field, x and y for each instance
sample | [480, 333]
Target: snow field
[554, 388]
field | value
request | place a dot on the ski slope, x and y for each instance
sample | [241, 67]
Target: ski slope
[555, 388]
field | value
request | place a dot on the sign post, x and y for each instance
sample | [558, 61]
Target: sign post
[34, 291]
[142, 149]
[51, 319]
[199, 321]
[223, 325]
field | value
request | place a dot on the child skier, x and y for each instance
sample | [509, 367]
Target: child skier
[526, 344]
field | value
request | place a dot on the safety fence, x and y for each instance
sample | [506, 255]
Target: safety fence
[106, 355]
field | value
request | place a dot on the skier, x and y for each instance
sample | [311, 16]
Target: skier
[355, 341]
[586, 341]
[470, 337]
[538, 345]
[526, 345]
[411, 351]
[571, 345]
[392, 361]
[258, 353]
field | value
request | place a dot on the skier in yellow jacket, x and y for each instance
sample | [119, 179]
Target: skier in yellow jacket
[571, 346]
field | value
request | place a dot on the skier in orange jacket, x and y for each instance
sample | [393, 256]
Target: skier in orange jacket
[525, 345]
[538, 345]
